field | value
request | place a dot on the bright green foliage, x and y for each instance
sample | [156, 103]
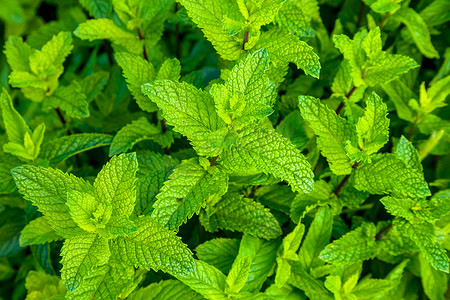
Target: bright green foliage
[267, 151]
[234, 212]
[165, 289]
[188, 189]
[219, 253]
[332, 132]
[231, 149]
[356, 245]
[373, 127]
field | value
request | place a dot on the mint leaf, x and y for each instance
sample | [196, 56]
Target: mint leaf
[434, 281]
[71, 100]
[38, 231]
[219, 252]
[165, 289]
[238, 274]
[188, 189]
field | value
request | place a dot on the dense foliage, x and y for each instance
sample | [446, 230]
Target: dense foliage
[224, 149]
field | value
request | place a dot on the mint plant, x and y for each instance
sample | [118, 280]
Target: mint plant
[235, 149]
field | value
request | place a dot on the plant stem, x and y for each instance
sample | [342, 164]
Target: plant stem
[349, 94]
[383, 20]
[245, 39]
[361, 14]
[341, 184]
[380, 233]
[142, 38]
[213, 160]
[69, 132]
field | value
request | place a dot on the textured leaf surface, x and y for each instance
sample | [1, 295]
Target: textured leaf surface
[270, 152]
[154, 247]
[165, 290]
[387, 173]
[79, 255]
[131, 134]
[37, 232]
[238, 274]
[188, 189]
[313, 288]
[332, 132]
[70, 99]
[408, 153]
[356, 245]
[47, 189]
[219, 252]
[236, 213]
[97, 8]
[116, 184]
[373, 127]
[15, 125]
[59, 149]
[191, 111]
[434, 282]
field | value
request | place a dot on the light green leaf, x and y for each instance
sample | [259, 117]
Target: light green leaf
[93, 84]
[87, 211]
[332, 132]
[137, 71]
[154, 247]
[373, 127]
[38, 231]
[205, 280]
[356, 245]
[283, 272]
[188, 189]
[70, 99]
[292, 241]
[17, 53]
[434, 282]
[100, 29]
[41, 285]
[238, 274]
[189, 110]
[116, 184]
[219, 252]
[97, 8]
[170, 69]
[284, 47]
[368, 288]
[418, 30]
[59, 149]
[387, 173]
[318, 236]
[313, 288]
[154, 170]
[129, 135]
[406, 151]
[260, 13]
[287, 292]
[47, 189]
[15, 125]
[79, 255]
[236, 213]
[424, 236]
[268, 151]
[208, 16]
[165, 290]
[52, 55]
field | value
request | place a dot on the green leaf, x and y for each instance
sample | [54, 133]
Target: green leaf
[332, 132]
[100, 29]
[209, 16]
[38, 231]
[71, 100]
[433, 13]
[268, 151]
[116, 184]
[97, 8]
[368, 288]
[93, 84]
[356, 245]
[284, 47]
[318, 236]
[79, 255]
[41, 285]
[154, 247]
[52, 55]
[261, 12]
[292, 241]
[47, 189]
[87, 211]
[424, 236]
[435, 96]
[170, 69]
[17, 53]
[105, 282]
[434, 282]
[238, 274]
[406, 151]
[188, 189]
[189, 110]
[263, 255]
[373, 127]
[15, 125]
[247, 92]
[59, 149]
[137, 71]
[313, 288]
[219, 252]
[165, 290]
[387, 173]
[287, 292]
[205, 280]
[418, 30]
[154, 170]
[236, 213]
[131, 134]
